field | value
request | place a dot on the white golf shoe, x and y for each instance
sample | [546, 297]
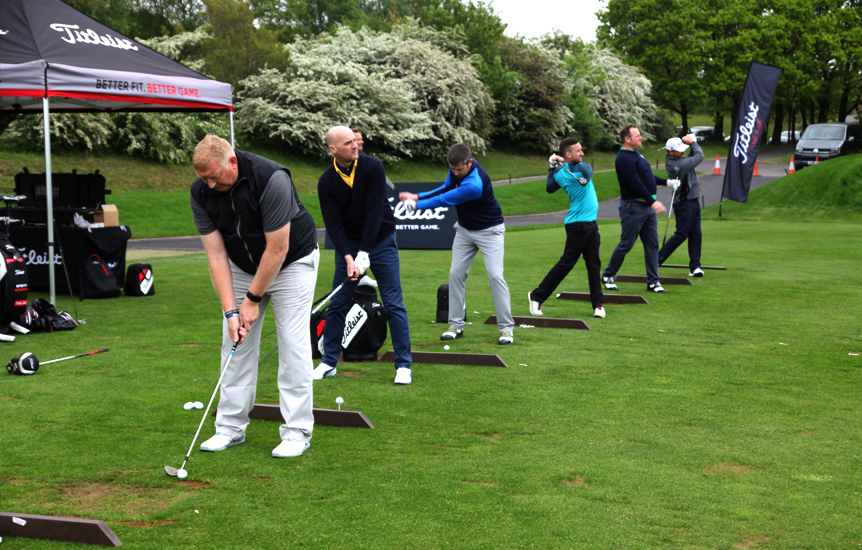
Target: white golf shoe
[599, 312]
[290, 448]
[323, 371]
[403, 376]
[535, 307]
[505, 338]
[610, 283]
[220, 442]
[698, 272]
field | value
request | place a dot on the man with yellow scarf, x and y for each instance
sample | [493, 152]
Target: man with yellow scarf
[360, 222]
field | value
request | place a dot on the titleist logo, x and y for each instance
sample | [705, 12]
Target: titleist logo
[751, 128]
[436, 214]
[73, 35]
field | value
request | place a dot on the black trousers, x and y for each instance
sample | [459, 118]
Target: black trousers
[581, 238]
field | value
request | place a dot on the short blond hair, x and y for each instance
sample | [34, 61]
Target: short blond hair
[211, 147]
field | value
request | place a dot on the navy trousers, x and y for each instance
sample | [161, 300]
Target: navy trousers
[687, 227]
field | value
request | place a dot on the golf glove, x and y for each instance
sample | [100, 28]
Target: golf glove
[410, 205]
[362, 261]
[673, 184]
[552, 162]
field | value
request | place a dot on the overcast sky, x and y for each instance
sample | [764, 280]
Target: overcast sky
[533, 18]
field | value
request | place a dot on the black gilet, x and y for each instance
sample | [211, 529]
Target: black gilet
[236, 213]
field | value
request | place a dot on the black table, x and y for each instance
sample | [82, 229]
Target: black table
[78, 244]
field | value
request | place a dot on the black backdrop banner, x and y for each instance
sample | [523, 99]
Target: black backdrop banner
[424, 229]
[751, 120]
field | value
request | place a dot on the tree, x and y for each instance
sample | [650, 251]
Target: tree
[664, 39]
[237, 48]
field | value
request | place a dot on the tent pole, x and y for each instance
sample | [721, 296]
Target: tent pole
[49, 198]
[231, 128]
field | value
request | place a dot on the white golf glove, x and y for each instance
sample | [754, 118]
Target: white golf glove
[362, 261]
[551, 160]
[410, 205]
[674, 184]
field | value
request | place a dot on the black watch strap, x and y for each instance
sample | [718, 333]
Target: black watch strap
[253, 297]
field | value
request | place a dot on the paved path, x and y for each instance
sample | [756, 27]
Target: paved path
[711, 187]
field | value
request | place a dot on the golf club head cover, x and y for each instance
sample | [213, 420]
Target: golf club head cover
[30, 320]
[26, 363]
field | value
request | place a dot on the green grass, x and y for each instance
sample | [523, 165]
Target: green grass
[825, 192]
[721, 415]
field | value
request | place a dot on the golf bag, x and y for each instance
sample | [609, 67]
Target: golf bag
[139, 280]
[364, 327]
[443, 305]
[97, 279]
[42, 316]
[318, 321]
[13, 282]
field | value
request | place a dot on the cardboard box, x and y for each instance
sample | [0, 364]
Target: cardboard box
[107, 214]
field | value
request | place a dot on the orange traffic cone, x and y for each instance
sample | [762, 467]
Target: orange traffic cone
[792, 167]
[817, 159]
[717, 171]
[756, 173]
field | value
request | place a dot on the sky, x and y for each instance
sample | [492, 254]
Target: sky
[533, 18]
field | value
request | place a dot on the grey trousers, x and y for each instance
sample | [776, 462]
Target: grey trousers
[291, 295]
[464, 247]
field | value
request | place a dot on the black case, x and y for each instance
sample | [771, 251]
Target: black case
[72, 193]
[139, 280]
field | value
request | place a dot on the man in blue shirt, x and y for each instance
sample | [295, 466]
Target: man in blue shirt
[638, 210]
[582, 231]
[479, 227]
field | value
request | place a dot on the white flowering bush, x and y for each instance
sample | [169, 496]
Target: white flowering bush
[69, 132]
[410, 97]
[619, 94]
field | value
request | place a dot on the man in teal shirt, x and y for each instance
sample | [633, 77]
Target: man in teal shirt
[568, 173]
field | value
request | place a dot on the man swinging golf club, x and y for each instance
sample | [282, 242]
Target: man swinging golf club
[685, 205]
[261, 246]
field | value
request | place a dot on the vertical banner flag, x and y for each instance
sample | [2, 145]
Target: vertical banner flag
[751, 119]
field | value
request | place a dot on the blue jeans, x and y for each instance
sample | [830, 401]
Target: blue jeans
[637, 219]
[687, 227]
[386, 269]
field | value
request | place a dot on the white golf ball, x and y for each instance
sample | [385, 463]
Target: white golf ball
[339, 400]
[446, 348]
[411, 205]
[199, 405]
[182, 474]
[189, 406]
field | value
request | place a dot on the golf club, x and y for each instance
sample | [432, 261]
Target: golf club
[175, 472]
[68, 281]
[669, 212]
[320, 303]
[654, 152]
[94, 352]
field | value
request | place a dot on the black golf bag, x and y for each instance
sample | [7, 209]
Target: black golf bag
[318, 321]
[364, 327]
[443, 305]
[13, 283]
[139, 280]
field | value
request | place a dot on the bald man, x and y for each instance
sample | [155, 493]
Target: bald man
[360, 222]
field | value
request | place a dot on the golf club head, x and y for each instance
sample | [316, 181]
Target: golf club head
[171, 471]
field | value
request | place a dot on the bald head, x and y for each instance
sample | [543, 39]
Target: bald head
[342, 144]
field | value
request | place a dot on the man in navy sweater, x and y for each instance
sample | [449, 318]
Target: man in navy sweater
[360, 222]
[479, 228]
[638, 210]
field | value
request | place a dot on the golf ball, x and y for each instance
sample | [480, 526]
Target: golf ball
[182, 474]
[339, 400]
[446, 348]
[189, 406]
[199, 405]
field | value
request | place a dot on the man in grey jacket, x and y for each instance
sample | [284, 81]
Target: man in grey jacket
[686, 206]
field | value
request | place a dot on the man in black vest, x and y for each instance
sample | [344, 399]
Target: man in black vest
[261, 247]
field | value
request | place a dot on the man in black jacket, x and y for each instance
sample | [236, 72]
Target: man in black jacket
[261, 247]
[361, 224]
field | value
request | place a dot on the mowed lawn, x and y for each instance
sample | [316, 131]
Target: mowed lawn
[725, 414]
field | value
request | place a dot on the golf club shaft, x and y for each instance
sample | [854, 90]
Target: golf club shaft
[74, 356]
[669, 212]
[206, 412]
[331, 294]
[654, 152]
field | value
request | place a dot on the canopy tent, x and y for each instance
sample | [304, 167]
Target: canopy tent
[53, 57]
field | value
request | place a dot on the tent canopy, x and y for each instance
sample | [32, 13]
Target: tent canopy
[49, 49]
